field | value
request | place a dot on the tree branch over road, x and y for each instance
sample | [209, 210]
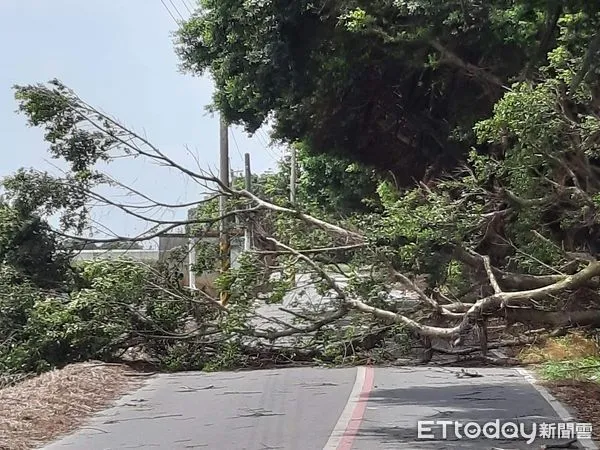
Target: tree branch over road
[429, 230]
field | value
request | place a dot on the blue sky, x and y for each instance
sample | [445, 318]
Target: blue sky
[119, 56]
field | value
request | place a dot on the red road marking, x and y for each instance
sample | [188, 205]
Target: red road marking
[359, 411]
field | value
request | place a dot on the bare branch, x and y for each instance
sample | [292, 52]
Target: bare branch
[424, 330]
[273, 335]
[156, 202]
[158, 154]
[452, 58]
[85, 111]
[508, 279]
[491, 276]
[140, 238]
[350, 235]
[430, 301]
[311, 250]
[330, 281]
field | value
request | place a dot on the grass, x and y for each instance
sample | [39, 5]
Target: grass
[570, 368]
[583, 369]
[573, 357]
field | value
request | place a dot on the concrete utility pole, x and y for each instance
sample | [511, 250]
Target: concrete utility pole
[191, 262]
[248, 185]
[192, 241]
[224, 241]
[293, 176]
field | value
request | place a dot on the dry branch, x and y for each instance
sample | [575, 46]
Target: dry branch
[509, 280]
[491, 276]
[439, 309]
[351, 236]
[315, 326]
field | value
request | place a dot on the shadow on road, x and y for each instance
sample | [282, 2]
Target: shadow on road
[396, 411]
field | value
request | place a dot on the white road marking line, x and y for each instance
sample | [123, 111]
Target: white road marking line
[556, 405]
[342, 424]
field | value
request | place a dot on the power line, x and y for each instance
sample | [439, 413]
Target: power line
[236, 144]
[171, 2]
[169, 11]
[264, 142]
[265, 145]
[268, 144]
[186, 6]
[263, 137]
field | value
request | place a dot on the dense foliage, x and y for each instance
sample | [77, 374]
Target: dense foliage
[28, 246]
[393, 84]
[117, 304]
[533, 202]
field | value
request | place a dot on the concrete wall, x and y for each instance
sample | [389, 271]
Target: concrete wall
[166, 244]
[138, 255]
[205, 281]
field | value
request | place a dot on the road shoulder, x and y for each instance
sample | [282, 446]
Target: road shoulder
[43, 408]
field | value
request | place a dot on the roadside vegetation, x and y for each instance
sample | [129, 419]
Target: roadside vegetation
[575, 356]
[569, 367]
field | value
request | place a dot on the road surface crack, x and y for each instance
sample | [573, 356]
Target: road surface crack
[185, 389]
[259, 413]
[113, 421]
[240, 392]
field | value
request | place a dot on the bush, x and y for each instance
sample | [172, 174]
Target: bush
[119, 300]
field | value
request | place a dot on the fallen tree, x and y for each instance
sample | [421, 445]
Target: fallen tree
[501, 240]
[505, 243]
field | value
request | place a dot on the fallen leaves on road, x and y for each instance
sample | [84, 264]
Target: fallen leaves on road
[583, 398]
[41, 409]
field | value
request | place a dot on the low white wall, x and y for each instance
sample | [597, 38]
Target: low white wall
[138, 255]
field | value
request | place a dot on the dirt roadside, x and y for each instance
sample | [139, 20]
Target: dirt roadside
[583, 398]
[567, 368]
[41, 409]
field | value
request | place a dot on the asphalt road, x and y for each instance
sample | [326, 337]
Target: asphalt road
[316, 408]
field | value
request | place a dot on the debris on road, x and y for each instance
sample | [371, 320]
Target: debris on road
[464, 374]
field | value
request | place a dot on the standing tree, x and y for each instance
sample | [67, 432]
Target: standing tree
[397, 85]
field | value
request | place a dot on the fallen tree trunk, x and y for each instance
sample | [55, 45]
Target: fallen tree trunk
[508, 280]
[552, 319]
[492, 305]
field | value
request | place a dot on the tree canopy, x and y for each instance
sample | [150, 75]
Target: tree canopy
[395, 84]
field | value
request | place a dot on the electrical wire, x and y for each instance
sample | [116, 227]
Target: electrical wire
[169, 11]
[176, 9]
[186, 6]
[236, 144]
